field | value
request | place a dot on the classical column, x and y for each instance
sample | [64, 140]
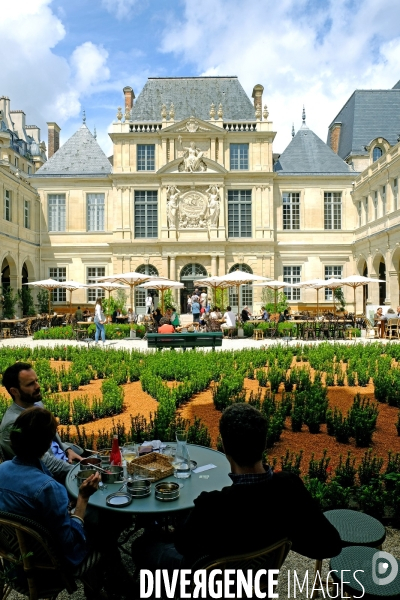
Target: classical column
[172, 273]
[164, 259]
[388, 260]
[222, 265]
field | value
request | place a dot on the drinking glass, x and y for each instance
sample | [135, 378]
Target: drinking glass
[130, 452]
[181, 462]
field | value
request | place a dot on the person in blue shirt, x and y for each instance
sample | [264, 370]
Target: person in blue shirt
[196, 311]
[264, 314]
[27, 487]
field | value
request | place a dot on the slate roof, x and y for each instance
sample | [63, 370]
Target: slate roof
[81, 155]
[368, 114]
[307, 154]
[192, 96]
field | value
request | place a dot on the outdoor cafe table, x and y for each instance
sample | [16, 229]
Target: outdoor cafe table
[192, 487]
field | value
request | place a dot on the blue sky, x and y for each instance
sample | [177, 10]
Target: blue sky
[58, 57]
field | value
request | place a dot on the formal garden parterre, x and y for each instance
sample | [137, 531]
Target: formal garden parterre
[332, 409]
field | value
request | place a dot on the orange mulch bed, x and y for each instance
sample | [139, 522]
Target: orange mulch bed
[138, 402]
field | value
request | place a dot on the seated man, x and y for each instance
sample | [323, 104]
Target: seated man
[264, 314]
[229, 319]
[246, 314]
[78, 314]
[21, 383]
[258, 509]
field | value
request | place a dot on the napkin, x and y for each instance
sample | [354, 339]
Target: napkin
[157, 444]
[204, 468]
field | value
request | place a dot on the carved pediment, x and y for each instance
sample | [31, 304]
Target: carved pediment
[193, 126]
[209, 167]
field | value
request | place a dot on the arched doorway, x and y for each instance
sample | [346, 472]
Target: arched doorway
[246, 291]
[382, 286]
[188, 275]
[5, 274]
[140, 294]
[24, 274]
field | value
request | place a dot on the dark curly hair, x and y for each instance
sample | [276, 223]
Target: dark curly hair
[244, 433]
[32, 432]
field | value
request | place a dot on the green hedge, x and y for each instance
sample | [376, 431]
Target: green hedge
[113, 332]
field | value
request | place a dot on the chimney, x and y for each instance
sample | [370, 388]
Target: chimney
[53, 138]
[334, 137]
[129, 98]
[257, 95]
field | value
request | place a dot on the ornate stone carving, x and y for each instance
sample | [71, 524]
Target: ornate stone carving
[258, 113]
[212, 110]
[172, 205]
[163, 111]
[172, 112]
[214, 203]
[192, 158]
[193, 208]
[119, 113]
[220, 111]
[192, 125]
[265, 112]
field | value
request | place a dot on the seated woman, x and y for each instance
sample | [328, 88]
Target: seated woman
[157, 315]
[379, 321]
[165, 326]
[28, 489]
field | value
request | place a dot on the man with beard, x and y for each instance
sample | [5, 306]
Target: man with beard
[21, 382]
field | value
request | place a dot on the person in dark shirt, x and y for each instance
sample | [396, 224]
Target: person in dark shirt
[157, 316]
[246, 314]
[260, 507]
[78, 314]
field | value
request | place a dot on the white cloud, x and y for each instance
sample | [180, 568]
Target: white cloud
[303, 52]
[120, 8]
[46, 86]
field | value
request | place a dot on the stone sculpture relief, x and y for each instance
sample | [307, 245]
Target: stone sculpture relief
[192, 158]
[214, 203]
[172, 205]
[193, 209]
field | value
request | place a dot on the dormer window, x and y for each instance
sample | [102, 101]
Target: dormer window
[376, 153]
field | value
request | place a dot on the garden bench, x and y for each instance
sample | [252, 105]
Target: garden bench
[184, 340]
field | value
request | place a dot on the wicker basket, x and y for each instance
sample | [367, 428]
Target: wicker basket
[152, 465]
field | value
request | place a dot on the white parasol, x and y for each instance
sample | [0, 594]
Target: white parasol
[46, 284]
[238, 278]
[131, 279]
[276, 285]
[162, 285]
[356, 281]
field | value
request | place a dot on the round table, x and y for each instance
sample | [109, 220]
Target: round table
[375, 583]
[192, 487]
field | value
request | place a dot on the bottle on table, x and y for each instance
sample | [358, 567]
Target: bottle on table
[115, 456]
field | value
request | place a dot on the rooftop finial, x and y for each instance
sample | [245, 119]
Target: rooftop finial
[293, 131]
[84, 117]
[95, 133]
[303, 116]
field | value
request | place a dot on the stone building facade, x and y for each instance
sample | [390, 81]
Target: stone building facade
[21, 154]
[194, 189]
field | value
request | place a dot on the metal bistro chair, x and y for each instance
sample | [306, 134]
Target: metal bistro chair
[272, 557]
[392, 329]
[32, 565]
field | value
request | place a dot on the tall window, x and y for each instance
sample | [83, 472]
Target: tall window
[140, 294]
[146, 214]
[246, 291]
[376, 205]
[7, 205]
[384, 199]
[376, 153]
[95, 212]
[332, 272]
[27, 214]
[239, 213]
[291, 210]
[395, 194]
[239, 157]
[59, 274]
[145, 157]
[292, 275]
[359, 210]
[332, 210]
[92, 274]
[57, 212]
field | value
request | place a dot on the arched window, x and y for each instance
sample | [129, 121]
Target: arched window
[246, 291]
[192, 271]
[376, 153]
[140, 294]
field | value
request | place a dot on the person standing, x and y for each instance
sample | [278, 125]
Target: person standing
[99, 320]
[78, 314]
[195, 310]
[189, 305]
[149, 303]
[203, 299]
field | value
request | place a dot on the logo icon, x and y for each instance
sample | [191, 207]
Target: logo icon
[384, 568]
